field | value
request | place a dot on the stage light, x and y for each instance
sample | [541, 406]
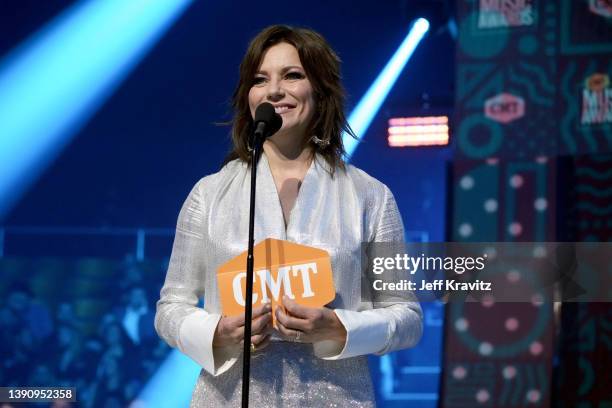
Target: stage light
[56, 80]
[370, 103]
[172, 384]
[418, 131]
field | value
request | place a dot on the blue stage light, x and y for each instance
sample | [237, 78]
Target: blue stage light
[55, 81]
[172, 384]
[370, 103]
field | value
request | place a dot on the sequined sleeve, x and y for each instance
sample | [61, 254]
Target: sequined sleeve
[179, 320]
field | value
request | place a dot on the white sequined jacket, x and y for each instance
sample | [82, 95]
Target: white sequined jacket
[333, 213]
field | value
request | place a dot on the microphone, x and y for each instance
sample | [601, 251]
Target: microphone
[267, 122]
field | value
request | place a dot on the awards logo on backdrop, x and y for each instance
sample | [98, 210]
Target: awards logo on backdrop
[300, 272]
[500, 13]
[596, 100]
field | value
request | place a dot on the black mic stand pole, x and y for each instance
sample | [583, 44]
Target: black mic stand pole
[248, 308]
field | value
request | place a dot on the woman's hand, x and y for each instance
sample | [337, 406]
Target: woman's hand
[309, 324]
[230, 330]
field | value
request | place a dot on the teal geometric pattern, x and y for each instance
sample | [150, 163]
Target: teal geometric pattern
[584, 32]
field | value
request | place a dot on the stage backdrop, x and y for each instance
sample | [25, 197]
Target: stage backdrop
[533, 87]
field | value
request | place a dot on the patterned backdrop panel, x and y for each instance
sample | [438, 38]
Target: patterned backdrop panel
[585, 68]
[590, 193]
[504, 200]
[585, 356]
[501, 29]
[506, 109]
[506, 73]
[533, 78]
[533, 83]
[585, 27]
[498, 354]
[585, 104]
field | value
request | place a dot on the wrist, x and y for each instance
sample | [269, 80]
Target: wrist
[218, 336]
[340, 330]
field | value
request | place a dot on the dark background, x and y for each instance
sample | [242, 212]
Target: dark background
[135, 161]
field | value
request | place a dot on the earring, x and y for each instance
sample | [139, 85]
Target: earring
[323, 143]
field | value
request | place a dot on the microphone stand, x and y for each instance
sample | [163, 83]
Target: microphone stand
[248, 309]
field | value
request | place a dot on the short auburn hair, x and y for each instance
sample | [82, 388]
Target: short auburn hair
[322, 67]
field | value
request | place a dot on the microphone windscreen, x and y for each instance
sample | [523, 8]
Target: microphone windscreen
[265, 113]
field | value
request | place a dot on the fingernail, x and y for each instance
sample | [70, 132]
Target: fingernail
[268, 307]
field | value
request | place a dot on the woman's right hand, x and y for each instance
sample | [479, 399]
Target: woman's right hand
[230, 330]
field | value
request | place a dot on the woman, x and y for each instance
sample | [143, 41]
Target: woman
[305, 194]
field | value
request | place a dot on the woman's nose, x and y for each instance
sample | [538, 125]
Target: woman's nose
[275, 91]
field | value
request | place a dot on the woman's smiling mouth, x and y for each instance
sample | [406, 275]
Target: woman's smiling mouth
[280, 109]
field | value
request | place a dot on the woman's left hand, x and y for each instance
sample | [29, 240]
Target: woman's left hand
[308, 324]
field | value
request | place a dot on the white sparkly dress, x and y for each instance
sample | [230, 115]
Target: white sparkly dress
[333, 213]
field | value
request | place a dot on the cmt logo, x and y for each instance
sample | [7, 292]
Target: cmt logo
[601, 7]
[504, 108]
[280, 268]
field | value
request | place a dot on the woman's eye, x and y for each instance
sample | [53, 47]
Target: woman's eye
[258, 80]
[294, 75]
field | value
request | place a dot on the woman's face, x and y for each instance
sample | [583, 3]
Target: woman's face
[281, 81]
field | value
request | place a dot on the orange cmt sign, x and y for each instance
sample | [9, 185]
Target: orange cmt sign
[300, 272]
